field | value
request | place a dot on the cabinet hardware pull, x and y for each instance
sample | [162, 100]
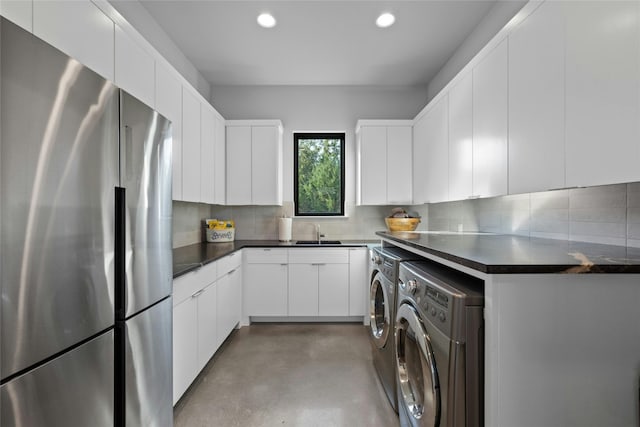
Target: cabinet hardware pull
[197, 294]
[231, 272]
[283, 264]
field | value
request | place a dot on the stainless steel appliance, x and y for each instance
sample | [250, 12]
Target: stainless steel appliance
[85, 222]
[382, 312]
[439, 346]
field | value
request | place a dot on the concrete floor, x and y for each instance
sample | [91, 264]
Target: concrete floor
[289, 374]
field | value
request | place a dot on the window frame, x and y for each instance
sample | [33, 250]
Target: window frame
[297, 136]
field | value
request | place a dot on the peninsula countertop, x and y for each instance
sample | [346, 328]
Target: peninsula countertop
[508, 254]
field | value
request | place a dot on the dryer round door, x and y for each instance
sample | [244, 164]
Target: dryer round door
[417, 375]
[379, 310]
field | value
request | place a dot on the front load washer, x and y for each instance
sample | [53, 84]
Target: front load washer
[382, 313]
[439, 340]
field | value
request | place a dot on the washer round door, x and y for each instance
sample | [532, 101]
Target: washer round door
[417, 375]
[379, 310]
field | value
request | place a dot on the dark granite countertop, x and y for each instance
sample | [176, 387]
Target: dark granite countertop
[508, 254]
[191, 257]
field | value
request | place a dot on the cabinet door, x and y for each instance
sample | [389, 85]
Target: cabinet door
[399, 167]
[219, 161]
[461, 139]
[207, 154]
[190, 146]
[265, 290]
[437, 150]
[229, 287]
[266, 165]
[207, 324]
[185, 346]
[169, 104]
[19, 12]
[79, 29]
[420, 135]
[134, 68]
[536, 101]
[238, 165]
[333, 290]
[303, 289]
[358, 281]
[490, 124]
[373, 165]
[602, 93]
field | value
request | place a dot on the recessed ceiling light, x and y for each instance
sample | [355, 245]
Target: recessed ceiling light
[266, 20]
[385, 20]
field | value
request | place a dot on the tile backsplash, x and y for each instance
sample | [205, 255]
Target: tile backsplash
[607, 214]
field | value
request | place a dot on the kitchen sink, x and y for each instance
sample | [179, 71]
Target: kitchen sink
[321, 242]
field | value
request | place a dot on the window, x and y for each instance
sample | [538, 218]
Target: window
[318, 178]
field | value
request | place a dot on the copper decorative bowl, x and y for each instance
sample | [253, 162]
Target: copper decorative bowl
[402, 224]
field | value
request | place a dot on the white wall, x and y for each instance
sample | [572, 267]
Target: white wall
[493, 21]
[315, 108]
[144, 23]
[318, 108]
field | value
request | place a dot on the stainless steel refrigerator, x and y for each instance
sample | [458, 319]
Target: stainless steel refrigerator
[85, 246]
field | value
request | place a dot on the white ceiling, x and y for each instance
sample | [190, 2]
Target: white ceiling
[317, 42]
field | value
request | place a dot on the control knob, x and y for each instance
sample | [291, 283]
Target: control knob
[442, 316]
[411, 287]
[377, 260]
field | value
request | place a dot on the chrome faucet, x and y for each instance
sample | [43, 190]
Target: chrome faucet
[318, 235]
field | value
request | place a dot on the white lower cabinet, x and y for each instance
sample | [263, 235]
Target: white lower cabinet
[229, 302]
[303, 290]
[333, 289]
[207, 323]
[358, 281]
[206, 309]
[185, 343]
[265, 282]
[305, 282]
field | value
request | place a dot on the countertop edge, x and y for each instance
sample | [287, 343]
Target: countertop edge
[220, 250]
[503, 269]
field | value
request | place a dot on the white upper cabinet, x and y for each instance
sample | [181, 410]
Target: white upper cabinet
[169, 104]
[207, 154]
[254, 162]
[373, 165]
[190, 146]
[266, 165]
[19, 12]
[134, 68]
[436, 162]
[419, 183]
[238, 143]
[384, 149]
[79, 29]
[490, 123]
[399, 176]
[431, 153]
[536, 102]
[602, 89]
[461, 139]
[219, 161]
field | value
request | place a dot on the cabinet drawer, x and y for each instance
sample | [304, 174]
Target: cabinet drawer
[318, 256]
[229, 262]
[266, 256]
[192, 282]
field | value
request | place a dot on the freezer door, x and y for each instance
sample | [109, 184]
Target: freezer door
[148, 367]
[145, 173]
[75, 389]
[58, 171]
